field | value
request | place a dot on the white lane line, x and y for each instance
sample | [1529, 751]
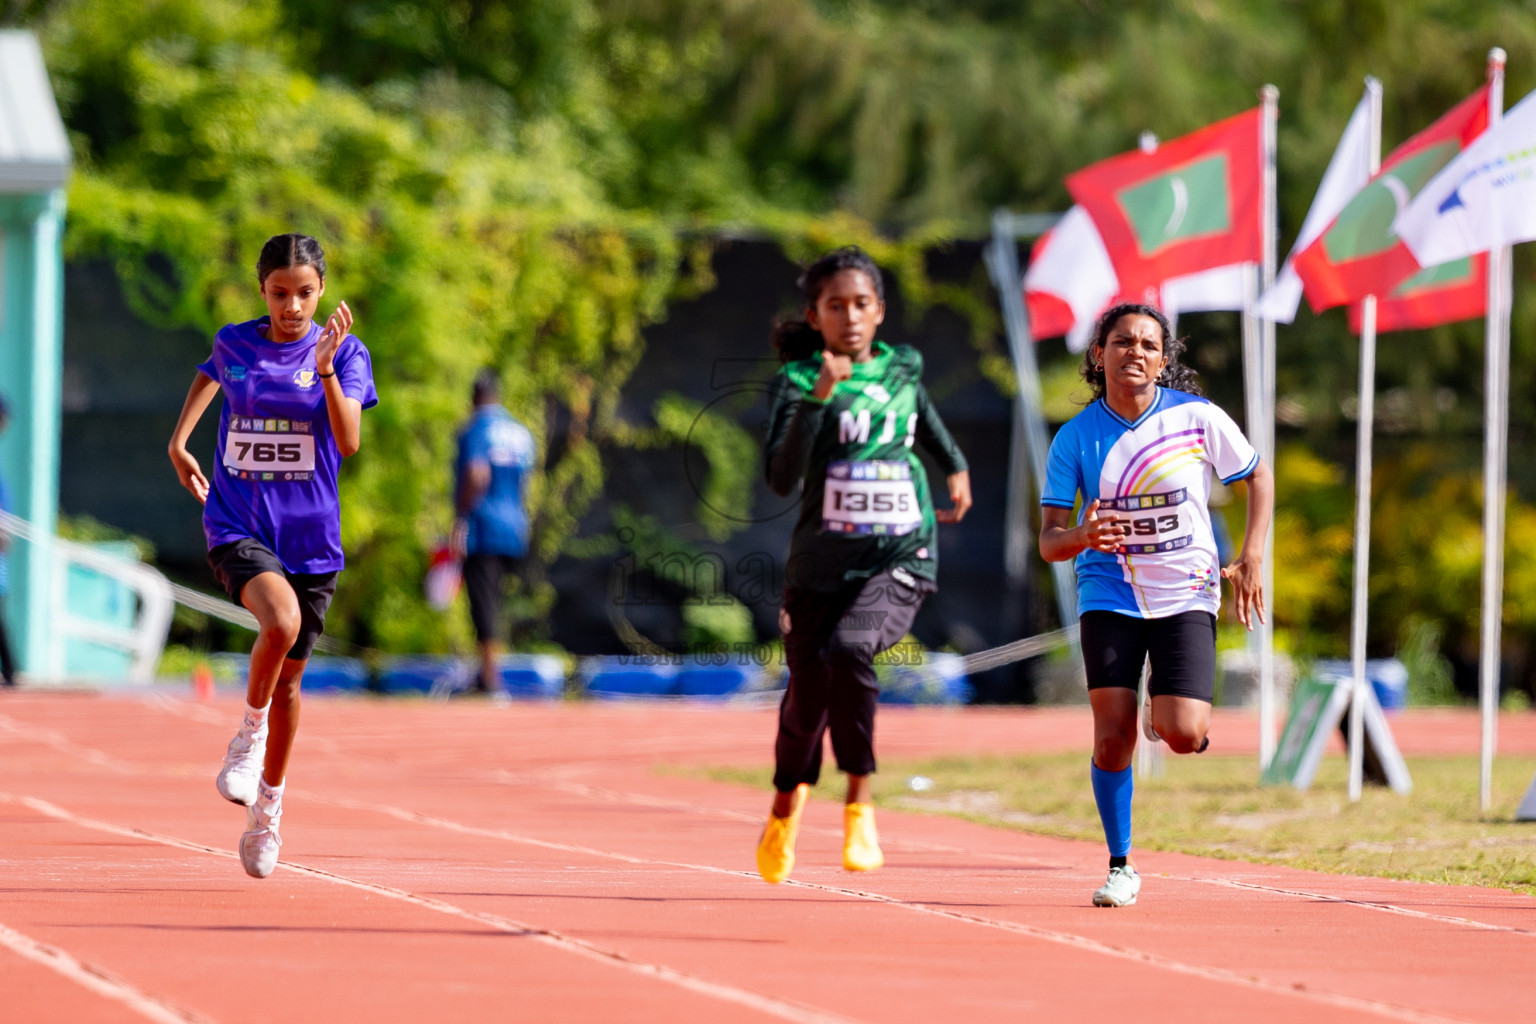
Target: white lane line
[1390, 908]
[97, 979]
[556, 778]
[1377, 1007]
[660, 803]
[784, 1009]
[63, 744]
[1372, 1006]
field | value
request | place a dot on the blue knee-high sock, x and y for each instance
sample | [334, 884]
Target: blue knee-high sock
[1112, 792]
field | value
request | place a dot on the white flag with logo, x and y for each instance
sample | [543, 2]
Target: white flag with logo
[1347, 173]
[1480, 201]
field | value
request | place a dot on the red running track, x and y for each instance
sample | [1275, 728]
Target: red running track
[467, 862]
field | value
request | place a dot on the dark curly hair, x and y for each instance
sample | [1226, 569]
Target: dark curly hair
[1175, 375]
[793, 336]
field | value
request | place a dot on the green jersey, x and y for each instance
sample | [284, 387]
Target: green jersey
[865, 502]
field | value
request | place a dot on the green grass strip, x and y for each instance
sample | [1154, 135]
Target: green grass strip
[1211, 806]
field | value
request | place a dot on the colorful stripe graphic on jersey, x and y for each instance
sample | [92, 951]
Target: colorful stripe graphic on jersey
[1156, 475]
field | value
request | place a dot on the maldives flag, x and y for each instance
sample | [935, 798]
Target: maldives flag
[1193, 204]
[1359, 254]
[1443, 294]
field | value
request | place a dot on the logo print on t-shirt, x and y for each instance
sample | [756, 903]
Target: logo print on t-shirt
[234, 373]
[305, 379]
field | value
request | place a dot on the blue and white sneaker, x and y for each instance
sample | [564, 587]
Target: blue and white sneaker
[1120, 889]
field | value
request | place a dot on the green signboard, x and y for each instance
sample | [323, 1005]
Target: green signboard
[1317, 707]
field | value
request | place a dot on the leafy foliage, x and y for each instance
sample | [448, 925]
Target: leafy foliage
[524, 183]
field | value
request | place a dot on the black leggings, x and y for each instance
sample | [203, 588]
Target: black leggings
[1182, 649]
[831, 645]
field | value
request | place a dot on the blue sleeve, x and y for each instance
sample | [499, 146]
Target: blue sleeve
[354, 371]
[474, 444]
[1063, 475]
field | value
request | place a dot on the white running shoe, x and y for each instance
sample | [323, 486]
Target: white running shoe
[1120, 889]
[258, 846]
[241, 773]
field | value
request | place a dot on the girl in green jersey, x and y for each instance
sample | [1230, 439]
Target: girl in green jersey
[845, 412]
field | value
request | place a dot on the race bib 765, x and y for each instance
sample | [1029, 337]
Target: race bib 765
[269, 449]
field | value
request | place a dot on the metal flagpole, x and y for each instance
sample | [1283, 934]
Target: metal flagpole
[1364, 428]
[1269, 97]
[1002, 259]
[1258, 401]
[1495, 443]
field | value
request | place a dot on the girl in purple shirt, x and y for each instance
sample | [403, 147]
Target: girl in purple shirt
[293, 399]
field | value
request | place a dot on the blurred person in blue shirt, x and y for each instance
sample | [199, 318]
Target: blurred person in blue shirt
[7, 666]
[491, 531]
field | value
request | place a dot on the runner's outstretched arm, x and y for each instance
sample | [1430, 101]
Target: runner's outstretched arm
[1246, 573]
[191, 474]
[937, 440]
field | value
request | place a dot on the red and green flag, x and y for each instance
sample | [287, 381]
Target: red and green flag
[1359, 254]
[1194, 203]
[1443, 294]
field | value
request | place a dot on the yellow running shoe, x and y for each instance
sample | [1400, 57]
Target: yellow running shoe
[861, 844]
[776, 849]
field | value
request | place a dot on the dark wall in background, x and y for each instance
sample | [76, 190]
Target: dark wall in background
[125, 381]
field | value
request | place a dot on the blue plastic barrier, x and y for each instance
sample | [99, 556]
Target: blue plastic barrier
[628, 676]
[940, 679]
[532, 675]
[335, 675]
[1387, 676]
[714, 680]
[423, 675]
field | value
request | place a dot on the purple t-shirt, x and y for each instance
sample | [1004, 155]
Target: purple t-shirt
[273, 478]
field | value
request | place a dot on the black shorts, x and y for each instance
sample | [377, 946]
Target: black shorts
[1182, 649]
[237, 563]
[483, 575]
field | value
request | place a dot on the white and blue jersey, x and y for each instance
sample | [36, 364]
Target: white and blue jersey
[498, 524]
[1155, 473]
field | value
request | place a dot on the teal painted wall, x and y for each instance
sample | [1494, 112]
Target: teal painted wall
[31, 368]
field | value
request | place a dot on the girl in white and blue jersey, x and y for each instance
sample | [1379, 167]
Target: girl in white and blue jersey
[1126, 492]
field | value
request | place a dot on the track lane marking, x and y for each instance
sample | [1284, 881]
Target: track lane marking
[662, 803]
[1335, 999]
[96, 979]
[774, 1006]
[557, 779]
[551, 779]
